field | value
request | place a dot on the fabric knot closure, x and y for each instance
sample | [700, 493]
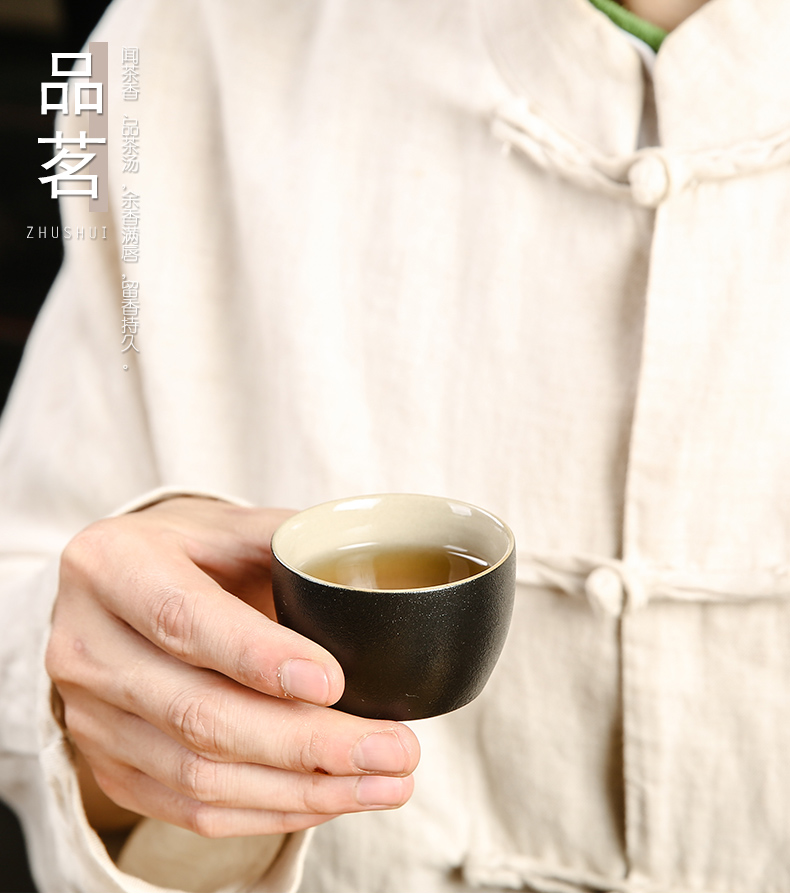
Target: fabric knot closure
[611, 586]
[649, 179]
[604, 588]
[615, 587]
[647, 176]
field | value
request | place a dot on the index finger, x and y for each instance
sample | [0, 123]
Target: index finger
[187, 614]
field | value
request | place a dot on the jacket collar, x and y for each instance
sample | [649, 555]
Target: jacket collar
[573, 63]
[721, 77]
[722, 86]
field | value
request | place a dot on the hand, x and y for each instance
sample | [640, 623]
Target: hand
[187, 702]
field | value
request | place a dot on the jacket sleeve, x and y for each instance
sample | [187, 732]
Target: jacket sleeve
[74, 446]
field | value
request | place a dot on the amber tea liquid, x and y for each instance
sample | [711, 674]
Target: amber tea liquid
[373, 567]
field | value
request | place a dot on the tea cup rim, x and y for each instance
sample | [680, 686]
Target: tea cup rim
[489, 569]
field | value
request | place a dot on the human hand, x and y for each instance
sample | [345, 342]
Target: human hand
[188, 703]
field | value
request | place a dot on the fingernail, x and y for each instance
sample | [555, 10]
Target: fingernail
[381, 752]
[305, 680]
[380, 791]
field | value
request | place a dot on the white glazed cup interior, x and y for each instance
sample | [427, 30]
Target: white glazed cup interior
[391, 520]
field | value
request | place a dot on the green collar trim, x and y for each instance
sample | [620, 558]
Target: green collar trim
[651, 34]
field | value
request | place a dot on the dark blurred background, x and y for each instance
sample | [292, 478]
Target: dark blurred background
[30, 30]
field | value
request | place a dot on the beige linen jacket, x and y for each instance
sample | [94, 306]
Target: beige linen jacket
[415, 245]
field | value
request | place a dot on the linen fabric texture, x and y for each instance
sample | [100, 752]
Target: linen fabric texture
[420, 245]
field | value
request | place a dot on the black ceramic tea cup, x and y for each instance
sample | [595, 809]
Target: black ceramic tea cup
[412, 594]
